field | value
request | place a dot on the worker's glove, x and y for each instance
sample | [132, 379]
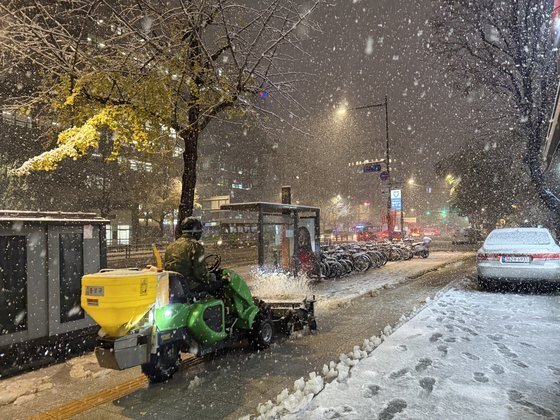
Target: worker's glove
[225, 278]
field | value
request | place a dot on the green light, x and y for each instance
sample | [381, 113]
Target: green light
[428, 213]
[444, 212]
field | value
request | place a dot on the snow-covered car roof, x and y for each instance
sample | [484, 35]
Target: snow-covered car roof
[519, 236]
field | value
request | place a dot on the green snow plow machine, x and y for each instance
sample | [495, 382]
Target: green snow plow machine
[148, 317]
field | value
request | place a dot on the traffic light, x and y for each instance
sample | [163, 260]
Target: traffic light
[428, 212]
[444, 212]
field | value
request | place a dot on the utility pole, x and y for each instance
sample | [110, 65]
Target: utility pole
[387, 162]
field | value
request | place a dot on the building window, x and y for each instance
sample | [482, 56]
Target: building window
[13, 284]
[17, 119]
[134, 164]
[123, 234]
[71, 272]
[109, 235]
[241, 186]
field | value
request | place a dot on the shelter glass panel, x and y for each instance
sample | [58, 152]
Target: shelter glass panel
[278, 241]
[71, 272]
[13, 284]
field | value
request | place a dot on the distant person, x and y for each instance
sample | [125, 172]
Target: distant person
[305, 253]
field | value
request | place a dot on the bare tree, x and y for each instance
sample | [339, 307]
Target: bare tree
[506, 47]
[144, 67]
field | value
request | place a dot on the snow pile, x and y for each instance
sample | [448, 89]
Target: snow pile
[280, 286]
[23, 390]
[86, 367]
[194, 383]
[288, 404]
[304, 391]
[466, 355]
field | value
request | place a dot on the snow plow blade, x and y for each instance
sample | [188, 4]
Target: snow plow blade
[292, 316]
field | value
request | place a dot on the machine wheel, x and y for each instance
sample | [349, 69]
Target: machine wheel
[425, 254]
[163, 365]
[313, 325]
[262, 333]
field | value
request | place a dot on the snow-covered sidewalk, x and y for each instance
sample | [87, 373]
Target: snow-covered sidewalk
[467, 355]
[332, 292]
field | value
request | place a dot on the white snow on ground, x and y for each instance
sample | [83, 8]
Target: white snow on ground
[44, 383]
[23, 390]
[467, 355]
[391, 274]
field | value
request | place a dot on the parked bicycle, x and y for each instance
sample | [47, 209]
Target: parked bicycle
[346, 259]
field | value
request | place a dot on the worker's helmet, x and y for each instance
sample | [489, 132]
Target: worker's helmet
[192, 226]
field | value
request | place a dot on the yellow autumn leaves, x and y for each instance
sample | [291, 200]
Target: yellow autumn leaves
[120, 120]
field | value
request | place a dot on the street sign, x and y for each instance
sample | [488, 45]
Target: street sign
[384, 176]
[396, 200]
[396, 204]
[371, 167]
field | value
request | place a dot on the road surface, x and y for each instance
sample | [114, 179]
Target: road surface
[233, 384]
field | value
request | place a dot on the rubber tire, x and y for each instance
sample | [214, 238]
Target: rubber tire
[425, 254]
[361, 264]
[483, 284]
[262, 334]
[313, 325]
[163, 365]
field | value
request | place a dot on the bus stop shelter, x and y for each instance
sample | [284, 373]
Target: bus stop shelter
[288, 235]
[43, 256]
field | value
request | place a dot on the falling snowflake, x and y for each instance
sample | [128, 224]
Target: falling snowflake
[369, 45]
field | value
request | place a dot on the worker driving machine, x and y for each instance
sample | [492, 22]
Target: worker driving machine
[149, 316]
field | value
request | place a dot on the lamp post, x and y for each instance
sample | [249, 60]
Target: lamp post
[342, 111]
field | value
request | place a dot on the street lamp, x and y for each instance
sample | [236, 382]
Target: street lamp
[342, 111]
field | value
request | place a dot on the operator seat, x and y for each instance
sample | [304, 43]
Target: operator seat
[180, 291]
[177, 288]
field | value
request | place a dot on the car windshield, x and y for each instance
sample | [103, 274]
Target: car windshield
[518, 237]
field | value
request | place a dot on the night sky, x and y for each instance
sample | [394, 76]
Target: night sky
[369, 49]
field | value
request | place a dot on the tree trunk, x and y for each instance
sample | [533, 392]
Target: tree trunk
[190, 157]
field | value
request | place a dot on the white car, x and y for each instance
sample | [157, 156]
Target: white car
[518, 254]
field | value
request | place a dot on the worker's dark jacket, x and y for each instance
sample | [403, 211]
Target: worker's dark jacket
[186, 256]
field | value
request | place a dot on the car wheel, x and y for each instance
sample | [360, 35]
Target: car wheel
[483, 284]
